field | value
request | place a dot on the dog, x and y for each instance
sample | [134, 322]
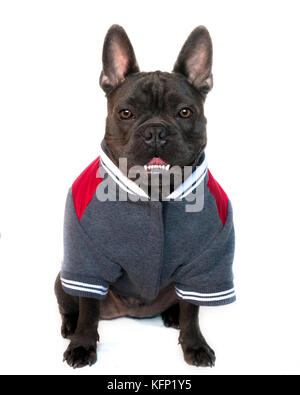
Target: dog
[147, 254]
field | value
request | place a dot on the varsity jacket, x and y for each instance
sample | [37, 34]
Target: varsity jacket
[138, 248]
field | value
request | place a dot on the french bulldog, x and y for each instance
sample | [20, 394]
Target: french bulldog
[155, 120]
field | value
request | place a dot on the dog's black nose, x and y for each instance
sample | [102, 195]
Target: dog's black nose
[155, 135]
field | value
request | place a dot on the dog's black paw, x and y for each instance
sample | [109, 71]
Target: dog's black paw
[78, 357]
[202, 356]
[170, 317]
[69, 324]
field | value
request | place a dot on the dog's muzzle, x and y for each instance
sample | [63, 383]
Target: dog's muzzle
[155, 135]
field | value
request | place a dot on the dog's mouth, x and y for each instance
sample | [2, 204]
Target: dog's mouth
[156, 165]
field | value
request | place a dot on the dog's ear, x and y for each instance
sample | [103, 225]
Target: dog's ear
[195, 59]
[118, 59]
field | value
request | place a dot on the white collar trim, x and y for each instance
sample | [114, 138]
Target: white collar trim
[189, 185]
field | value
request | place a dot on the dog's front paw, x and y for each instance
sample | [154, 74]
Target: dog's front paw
[79, 356]
[202, 355]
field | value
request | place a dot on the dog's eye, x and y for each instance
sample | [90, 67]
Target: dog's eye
[185, 112]
[125, 114]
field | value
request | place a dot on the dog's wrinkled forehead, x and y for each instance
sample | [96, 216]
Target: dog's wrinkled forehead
[154, 91]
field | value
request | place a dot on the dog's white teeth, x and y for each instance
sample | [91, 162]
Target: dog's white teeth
[161, 167]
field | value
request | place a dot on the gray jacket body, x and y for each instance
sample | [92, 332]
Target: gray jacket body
[138, 248]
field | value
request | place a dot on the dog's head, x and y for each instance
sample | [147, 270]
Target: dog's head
[156, 118]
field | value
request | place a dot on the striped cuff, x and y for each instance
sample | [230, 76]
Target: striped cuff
[84, 289]
[207, 299]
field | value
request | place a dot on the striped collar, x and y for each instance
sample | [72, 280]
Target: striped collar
[188, 186]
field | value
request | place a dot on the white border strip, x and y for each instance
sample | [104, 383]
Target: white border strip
[83, 284]
[124, 182]
[195, 186]
[116, 179]
[204, 294]
[117, 172]
[206, 297]
[190, 181]
[90, 290]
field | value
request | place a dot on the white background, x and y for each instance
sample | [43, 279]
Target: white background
[52, 122]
